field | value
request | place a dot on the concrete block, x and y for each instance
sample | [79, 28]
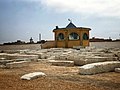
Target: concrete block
[3, 55]
[117, 70]
[2, 58]
[2, 66]
[88, 59]
[22, 59]
[4, 62]
[18, 56]
[11, 51]
[107, 55]
[61, 63]
[70, 57]
[33, 75]
[100, 67]
[51, 58]
[63, 57]
[17, 64]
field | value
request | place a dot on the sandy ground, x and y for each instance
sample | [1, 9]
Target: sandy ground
[58, 78]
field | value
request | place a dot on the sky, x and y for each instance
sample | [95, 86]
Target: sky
[23, 19]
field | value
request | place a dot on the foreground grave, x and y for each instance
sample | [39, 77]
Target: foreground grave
[33, 75]
[99, 67]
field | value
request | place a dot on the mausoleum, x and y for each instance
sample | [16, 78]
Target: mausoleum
[71, 36]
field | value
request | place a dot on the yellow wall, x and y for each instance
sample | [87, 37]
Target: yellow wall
[85, 42]
[61, 44]
[70, 43]
[73, 43]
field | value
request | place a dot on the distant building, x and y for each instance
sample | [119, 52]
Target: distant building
[117, 40]
[71, 36]
[18, 42]
[94, 39]
[31, 40]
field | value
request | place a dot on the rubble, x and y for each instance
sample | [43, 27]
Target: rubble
[59, 56]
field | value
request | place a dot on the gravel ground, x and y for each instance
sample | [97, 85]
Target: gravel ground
[58, 78]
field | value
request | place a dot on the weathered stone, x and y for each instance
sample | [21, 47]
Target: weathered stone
[17, 64]
[2, 58]
[118, 55]
[63, 57]
[18, 56]
[71, 57]
[11, 51]
[82, 60]
[100, 67]
[21, 59]
[4, 62]
[33, 75]
[2, 66]
[117, 70]
[51, 58]
[107, 55]
[3, 55]
[61, 63]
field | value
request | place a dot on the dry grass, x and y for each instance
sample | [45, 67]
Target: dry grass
[58, 78]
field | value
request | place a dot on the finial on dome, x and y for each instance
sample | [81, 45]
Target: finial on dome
[70, 20]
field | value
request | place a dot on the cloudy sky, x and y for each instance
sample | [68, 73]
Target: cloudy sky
[22, 19]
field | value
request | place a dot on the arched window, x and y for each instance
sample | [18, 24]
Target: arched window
[60, 36]
[73, 36]
[85, 36]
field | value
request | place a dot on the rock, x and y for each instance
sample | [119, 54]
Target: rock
[4, 62]
[61, 63]
[2, 58]
[2, 66]
[82, 60]
[17, 64]
[117, 70]
[118, 54]
[11, 51]
[51, 58]
[22, 59]
[33, 75]
[107, 55]
[18, 56]
[99, 67]
[3, 55]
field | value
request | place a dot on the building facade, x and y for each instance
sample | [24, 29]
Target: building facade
[71, 36]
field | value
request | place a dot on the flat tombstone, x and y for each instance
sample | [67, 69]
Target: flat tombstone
[33, 75]
[117, 70]
[100, 67]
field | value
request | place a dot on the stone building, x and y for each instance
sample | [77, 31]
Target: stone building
[71, 36]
